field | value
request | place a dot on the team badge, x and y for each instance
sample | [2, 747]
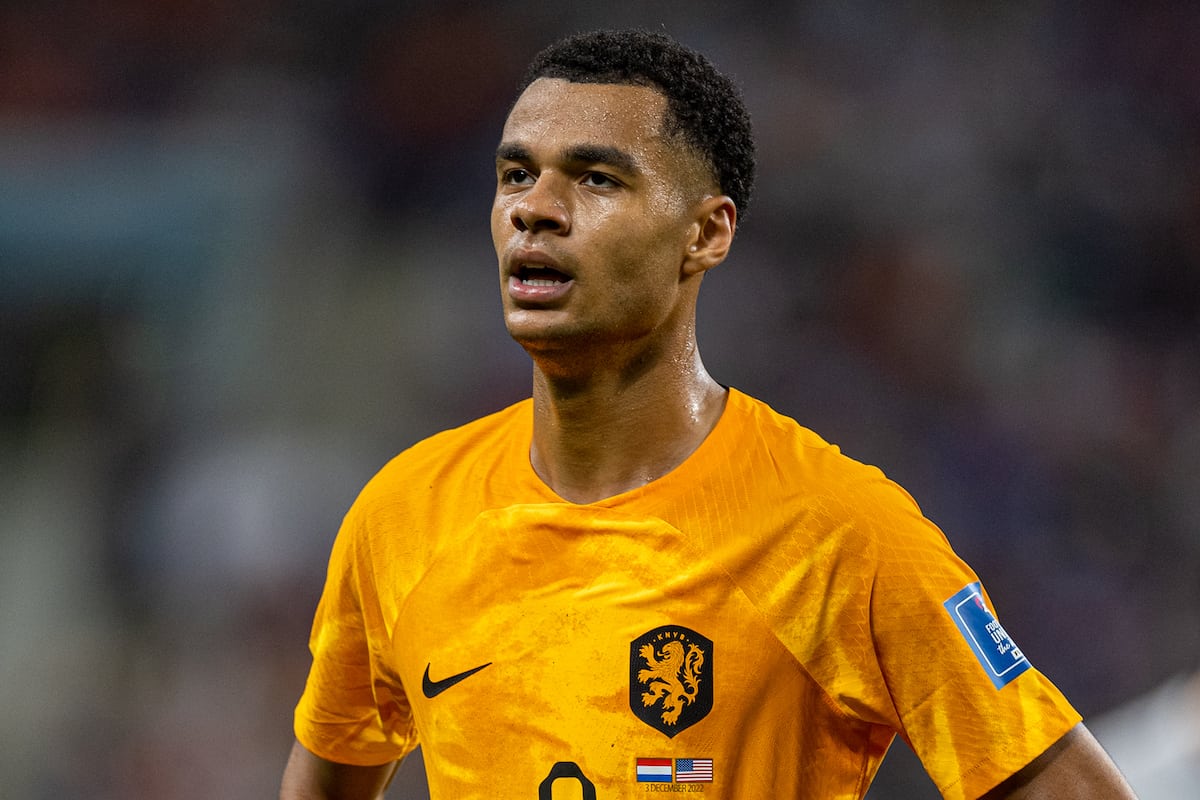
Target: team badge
[670, 678]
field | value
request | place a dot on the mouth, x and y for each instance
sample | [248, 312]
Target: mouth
[539, 275]
[533, 284]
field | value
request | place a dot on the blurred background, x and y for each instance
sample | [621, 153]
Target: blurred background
[244, 259]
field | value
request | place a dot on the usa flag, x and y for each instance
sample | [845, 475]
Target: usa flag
[693, 770]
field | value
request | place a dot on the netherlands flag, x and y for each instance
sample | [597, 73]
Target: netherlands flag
[654, 770]
[693, 770]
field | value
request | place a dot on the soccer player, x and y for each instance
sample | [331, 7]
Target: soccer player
[640, 580]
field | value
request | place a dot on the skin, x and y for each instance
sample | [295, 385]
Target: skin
[1074, 768]
[622, 223]
[588, 185]
[310, 777]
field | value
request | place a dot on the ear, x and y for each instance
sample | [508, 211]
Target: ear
[711, 235]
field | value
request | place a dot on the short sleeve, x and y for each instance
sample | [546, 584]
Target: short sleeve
[353, 709]
[970, 704]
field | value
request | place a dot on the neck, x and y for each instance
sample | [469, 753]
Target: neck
[616, 426]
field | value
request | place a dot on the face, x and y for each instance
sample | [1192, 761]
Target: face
[593, 216]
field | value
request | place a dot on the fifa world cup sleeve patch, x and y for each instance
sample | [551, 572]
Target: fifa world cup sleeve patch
[999, 656]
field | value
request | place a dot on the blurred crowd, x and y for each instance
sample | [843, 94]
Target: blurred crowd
[244, 259]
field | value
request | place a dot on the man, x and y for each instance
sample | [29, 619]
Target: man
[640, 580]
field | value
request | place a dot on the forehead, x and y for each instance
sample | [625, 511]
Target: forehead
[557, 111]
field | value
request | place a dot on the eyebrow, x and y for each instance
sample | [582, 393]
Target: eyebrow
[511, 152]
[576, 154]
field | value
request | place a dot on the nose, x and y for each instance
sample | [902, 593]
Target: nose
[542, 207]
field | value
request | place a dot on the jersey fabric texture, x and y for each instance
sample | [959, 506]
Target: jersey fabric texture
[759, 623]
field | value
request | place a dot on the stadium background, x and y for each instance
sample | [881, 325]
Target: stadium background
[244, 259]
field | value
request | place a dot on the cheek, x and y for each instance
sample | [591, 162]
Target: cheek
[650, 250]
[646, 273]
[501, 225]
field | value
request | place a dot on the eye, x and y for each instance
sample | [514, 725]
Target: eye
[598, 180]
[516, 177]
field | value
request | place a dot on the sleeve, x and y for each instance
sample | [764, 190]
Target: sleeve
[353, 709]
[969, 702]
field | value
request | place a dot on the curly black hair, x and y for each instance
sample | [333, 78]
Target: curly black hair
[704, 107]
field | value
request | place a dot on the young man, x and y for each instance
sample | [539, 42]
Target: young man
[639, 580]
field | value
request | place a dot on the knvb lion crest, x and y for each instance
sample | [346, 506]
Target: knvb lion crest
[670, 678]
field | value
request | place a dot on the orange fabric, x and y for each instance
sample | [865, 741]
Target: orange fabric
[795, 591]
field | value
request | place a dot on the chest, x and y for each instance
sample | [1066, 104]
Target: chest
[614, 644]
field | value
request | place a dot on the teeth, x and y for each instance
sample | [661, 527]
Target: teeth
[532, 276]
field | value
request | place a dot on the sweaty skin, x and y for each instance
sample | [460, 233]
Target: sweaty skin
[589, 196]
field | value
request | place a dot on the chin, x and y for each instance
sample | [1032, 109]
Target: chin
[538, 325]
[544, 336]
[539, 337]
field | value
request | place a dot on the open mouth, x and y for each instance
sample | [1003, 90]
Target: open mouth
[535, 275]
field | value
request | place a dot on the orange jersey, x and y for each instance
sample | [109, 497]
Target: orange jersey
[759, 623]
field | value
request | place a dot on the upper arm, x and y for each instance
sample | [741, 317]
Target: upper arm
[1075, 766]
[353, 707]
[309, 777]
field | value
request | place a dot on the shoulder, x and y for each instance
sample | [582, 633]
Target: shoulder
[433, 485]
[802, 457]
[787, 439]
[446, 448]
[839, 494]
[455, 456]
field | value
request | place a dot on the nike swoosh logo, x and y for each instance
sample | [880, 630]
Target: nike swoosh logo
[432, 689]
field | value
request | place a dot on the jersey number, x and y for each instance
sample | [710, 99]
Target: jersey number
[566, 769]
